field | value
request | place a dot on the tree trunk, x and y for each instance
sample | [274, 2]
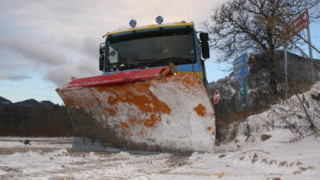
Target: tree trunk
[273, 73]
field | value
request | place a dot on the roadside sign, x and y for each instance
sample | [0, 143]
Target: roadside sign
[240, 72]
[242, 85]
[301, 22]
[240, 61]
[216, 97]
[243, 101]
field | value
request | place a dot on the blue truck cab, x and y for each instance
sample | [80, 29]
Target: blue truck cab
[154, 46]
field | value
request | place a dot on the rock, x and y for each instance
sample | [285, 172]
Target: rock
[265, 137]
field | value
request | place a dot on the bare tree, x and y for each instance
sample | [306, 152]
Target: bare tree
[255, 26]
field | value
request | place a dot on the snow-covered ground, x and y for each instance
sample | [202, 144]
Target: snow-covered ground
[264, 148]
[275, 157]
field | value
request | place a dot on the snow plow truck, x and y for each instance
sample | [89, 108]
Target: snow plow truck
[151, 95]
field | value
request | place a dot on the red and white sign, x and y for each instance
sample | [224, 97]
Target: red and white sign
[301, 22]
[216, 97]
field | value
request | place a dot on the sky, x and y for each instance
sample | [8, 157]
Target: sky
[43, 42]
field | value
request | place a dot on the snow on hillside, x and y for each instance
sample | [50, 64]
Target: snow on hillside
[294, 113]
[265, 148]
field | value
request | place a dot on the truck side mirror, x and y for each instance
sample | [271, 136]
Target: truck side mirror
[101, 63]
[204, 36]
[101, 57]
[205, 50]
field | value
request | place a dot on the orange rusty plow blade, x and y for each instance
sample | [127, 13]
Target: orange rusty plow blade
[171, 113]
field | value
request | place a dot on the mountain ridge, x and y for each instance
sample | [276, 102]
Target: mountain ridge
[29, 103]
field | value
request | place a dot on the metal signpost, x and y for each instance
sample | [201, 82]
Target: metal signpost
[242, 84]
[240, 71]
[240, 61]
[286, 70]
[299, 24]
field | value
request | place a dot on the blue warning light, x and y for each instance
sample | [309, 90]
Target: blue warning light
[159, 19]
[133, 23]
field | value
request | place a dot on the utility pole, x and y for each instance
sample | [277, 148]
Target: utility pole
[286, 70]
[310, 53]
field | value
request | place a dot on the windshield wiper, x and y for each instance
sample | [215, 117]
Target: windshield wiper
[176, 59]
[153, 62]
[148, 60]
[165, 61]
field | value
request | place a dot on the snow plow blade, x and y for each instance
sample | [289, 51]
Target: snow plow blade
[142, 111]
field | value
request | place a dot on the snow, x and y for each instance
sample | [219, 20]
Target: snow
[272, 158]
[287, 113]
[284, 155]
[186, 128]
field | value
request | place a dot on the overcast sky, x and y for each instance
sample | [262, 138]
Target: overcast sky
[45, 42]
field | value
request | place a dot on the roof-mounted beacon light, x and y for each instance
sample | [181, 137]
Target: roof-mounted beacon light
[159, 20]
[133, 23]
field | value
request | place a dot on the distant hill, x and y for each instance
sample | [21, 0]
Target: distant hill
[48, 104]
[30, 103]
[4, 102]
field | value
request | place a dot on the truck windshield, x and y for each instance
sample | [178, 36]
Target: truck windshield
[151, 49]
